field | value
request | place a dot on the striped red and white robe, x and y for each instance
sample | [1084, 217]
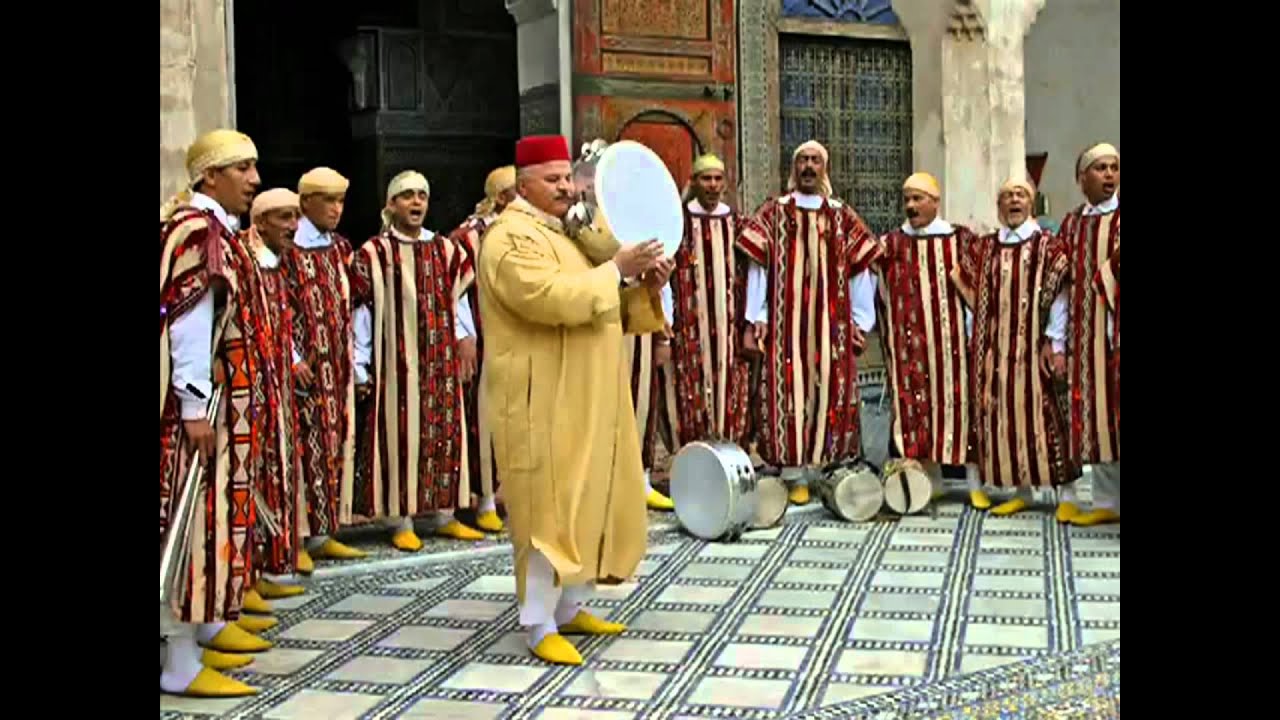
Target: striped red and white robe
[319, 293]
[1009, 286]
[809, 383]
[199, 255]
[923, 326]
[277, 482]
[483, 470]
[1090, 239]
[1107, 283]
[655, 410]
[705, 379]
[417, 417]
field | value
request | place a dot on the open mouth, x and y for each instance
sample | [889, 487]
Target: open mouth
[415, 214]
[1109, 188]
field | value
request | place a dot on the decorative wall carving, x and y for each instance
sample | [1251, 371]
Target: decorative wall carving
[879, 12]
[665, 18]
[540, 110]
[758, 100]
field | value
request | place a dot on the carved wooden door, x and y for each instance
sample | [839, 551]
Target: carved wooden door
[660, 72]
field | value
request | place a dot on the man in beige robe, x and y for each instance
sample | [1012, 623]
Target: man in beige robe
[564, 437]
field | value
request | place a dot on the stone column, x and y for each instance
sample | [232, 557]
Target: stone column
[544, 62]
[195, 83]
[969, 100]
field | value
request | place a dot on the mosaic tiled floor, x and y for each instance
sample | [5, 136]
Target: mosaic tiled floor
[814, 619]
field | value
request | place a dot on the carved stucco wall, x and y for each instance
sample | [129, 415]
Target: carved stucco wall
[195, 90]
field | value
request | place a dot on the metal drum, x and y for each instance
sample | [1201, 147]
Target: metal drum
[714, 488]
[907, 487]
[851, 492]
[771, 502]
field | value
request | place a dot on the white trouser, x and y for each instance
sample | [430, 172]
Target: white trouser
[798, 476]
[545, 603]
[1106, 486]
[934, 471]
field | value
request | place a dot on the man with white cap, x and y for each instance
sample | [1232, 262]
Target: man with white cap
[203, 266]
[1010, 279]
[411, 315]
[273, 223]
[1080, 349]
[315, 268]
[813, 255]
[926, 337]
[499, 191]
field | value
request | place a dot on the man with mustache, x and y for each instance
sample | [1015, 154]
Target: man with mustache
[411, 318]
[926, 332]
[812, 253]
[499, 191]
[1009, 279]
[563, 433]
[318, 288]
[210, 304]
[1080, 351]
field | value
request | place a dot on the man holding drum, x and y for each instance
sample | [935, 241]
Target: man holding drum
[564, 436]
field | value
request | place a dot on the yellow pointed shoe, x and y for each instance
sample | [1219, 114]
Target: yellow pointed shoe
[254, 604]
[220, 661]
[337, 551]
[558, 651]
[278, 591]
[235, 639]
[979, 500]
[1008, 508]
[458, 531]
[304, 564]
[213, 684]
[1097, 516]
[406, 540]
[658, 501]
[489, 521]
[584, 623]
[257, 624]
[1066, 511]
[799, 495]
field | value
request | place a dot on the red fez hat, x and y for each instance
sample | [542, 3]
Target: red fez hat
[538, 149]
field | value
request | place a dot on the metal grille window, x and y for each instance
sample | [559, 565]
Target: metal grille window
[854, 97]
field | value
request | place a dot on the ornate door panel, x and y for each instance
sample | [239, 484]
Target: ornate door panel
[660, 72]
[853, 96]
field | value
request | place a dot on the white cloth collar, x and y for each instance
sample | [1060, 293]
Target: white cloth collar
[424, 235]
[809, 202]
[696, 208]
[200, 201]
[1022, 233]
[309, 237]
[265, 257]
[1109, 205]
[937, 227]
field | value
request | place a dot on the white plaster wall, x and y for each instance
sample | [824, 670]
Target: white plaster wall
[194, 85]
[1073, 89]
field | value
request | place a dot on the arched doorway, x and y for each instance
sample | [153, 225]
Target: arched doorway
[668, 135]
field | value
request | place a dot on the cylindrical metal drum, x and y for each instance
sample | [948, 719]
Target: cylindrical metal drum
[907, 487]
[714, 488]
[771, 502]
[851, 492]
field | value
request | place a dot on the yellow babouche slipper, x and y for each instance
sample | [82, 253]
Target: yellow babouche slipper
[658, 501]
[1066, 511]
[490, 522]
[1008, 508]
[213, 684]
[257, 624]
[584, 623]
[799, 495]
[234, 639]
[555, 649]
[337, 551]
[406, 540]
[979, 500]
[458, 531]
[219, 661]
[278, 591]
[304, 564]
[1098, 516]
[253, 603]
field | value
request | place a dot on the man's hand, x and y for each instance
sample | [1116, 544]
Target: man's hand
[762, 332]
[661, 353]
[364, 391]
[302, 372]
[200, 438]
[638, 257]
[660, 273]
[1059, 365]
[859, 340]
[467, 359]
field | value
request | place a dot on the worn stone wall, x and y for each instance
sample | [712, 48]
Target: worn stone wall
[1073, 89]
[195, 89]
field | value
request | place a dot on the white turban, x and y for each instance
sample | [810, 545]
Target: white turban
[407, 180]
[1095, 153]
[825, 186]
[273, 199]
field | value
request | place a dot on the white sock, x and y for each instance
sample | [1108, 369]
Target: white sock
[313, 543]
[182, 663]
[648, 487]
[537, 632]
[794, 476]
[205, 632]
[971, 477]
[1023, 493]
[569, 604]
[442, 518]
[488, 504]
[1067, 493]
